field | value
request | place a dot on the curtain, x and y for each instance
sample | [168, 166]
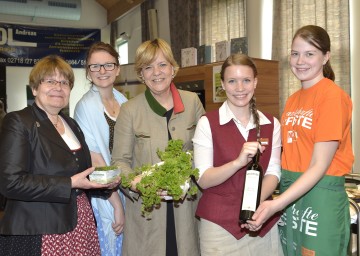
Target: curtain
[184, 25]
[221, 20]
[145, 6]
[333, 16]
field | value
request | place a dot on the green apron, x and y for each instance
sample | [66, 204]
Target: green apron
[317, 224]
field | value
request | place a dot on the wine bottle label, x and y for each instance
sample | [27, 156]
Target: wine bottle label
[250, 190]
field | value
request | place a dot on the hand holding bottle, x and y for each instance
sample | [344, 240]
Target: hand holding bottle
[217, 175]
[247, 152]
[265, 210]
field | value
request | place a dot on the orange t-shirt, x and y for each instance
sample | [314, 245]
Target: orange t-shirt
[317, 114]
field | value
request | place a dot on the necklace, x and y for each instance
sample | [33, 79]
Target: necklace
[110, 105]
[113, 105]
[57, 121]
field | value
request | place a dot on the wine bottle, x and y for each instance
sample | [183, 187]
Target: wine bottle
[252, 189]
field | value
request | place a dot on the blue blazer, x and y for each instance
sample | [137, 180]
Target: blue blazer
[35, 169]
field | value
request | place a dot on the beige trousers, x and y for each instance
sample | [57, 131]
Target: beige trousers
[216, 241]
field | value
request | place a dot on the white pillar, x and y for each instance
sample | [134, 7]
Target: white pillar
[259, 22]
[355, 78]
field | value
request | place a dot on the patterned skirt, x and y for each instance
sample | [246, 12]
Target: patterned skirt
[83, 240]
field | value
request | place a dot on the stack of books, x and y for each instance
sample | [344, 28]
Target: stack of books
[188, 57]
[239, 45]
[204, 54]
[222, 50]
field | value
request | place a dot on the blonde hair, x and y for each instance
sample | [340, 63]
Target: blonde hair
[147, 52]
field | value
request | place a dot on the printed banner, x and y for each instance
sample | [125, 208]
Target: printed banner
[22, 45]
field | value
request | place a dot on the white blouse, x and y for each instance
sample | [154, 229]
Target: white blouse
[203, 144]
[69, 137]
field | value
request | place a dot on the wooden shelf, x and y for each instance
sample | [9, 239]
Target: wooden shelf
[267, 90]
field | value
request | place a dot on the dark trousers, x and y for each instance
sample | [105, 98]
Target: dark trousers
[2, 202]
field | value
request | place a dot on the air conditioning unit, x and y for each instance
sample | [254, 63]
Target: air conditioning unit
[54, 9]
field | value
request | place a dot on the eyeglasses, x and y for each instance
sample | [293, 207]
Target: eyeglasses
[106, 66]
[53, 83]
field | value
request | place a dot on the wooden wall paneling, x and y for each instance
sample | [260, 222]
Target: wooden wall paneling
[190, 74]
[116, 8]
[267, 91]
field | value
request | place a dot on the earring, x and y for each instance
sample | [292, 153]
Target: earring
[142, 79]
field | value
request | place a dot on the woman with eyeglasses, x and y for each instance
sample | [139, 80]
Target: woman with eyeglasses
[97, 113]
[44, 166]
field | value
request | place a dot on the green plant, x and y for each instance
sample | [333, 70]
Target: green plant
[106, 168]
[170, 175]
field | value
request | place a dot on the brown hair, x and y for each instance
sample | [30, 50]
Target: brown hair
[244, 60]
[319, 38]
[147, 51]
[101, 46]
[48, 66]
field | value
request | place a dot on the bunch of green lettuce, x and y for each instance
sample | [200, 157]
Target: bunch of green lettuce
[170, 175]
[106, 168]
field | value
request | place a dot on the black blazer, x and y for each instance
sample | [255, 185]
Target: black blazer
[35, 169]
